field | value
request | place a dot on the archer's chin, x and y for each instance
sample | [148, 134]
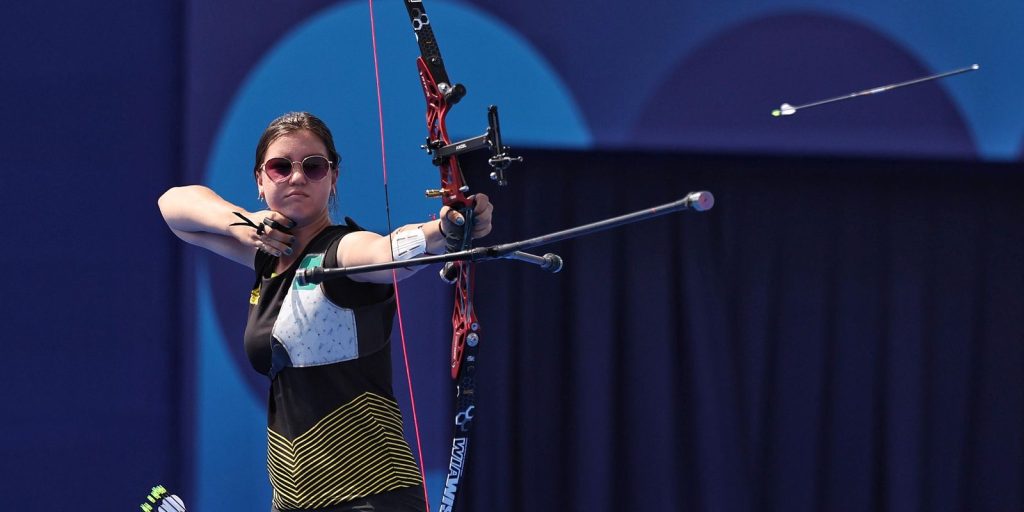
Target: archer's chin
[302, 213]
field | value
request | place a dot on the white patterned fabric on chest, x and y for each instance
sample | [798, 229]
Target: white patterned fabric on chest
[312, 329]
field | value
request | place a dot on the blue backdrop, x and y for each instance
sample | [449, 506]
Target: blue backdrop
[126, 363]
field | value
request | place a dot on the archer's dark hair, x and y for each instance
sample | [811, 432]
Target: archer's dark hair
[290, 123]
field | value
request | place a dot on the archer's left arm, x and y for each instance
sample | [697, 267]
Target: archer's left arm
[367, 248]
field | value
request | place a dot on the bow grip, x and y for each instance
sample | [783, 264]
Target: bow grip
[459, 239]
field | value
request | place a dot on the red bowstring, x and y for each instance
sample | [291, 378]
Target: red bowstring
[394, 273]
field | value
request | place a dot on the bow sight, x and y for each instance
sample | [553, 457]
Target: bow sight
[491, 139]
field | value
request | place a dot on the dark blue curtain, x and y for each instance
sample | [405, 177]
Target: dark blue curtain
[833, 335]
[92, 341]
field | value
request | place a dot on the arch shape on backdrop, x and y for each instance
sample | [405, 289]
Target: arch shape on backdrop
[325, 66]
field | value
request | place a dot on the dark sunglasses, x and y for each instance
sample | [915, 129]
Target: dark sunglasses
[315, 167]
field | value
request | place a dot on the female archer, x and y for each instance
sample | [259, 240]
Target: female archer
[334, 429]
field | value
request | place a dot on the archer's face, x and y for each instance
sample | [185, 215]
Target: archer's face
[298, 196]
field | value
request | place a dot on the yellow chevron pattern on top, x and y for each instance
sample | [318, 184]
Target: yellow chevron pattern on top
[356, 451]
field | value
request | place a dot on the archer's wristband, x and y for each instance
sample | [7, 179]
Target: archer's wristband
[408, 244]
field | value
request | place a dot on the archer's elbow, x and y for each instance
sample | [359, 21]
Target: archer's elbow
[173, 204]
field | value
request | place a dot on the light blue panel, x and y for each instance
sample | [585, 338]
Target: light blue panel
[326, 66]
[231, 430]
[942, 35]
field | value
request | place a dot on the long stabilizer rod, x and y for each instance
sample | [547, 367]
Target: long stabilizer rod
[697, 201]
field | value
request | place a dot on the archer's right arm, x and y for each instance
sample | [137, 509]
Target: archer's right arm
[200, 217]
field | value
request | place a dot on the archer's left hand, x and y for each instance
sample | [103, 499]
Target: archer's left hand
[452, 220]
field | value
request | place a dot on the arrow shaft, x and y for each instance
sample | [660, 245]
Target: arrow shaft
[889, 87]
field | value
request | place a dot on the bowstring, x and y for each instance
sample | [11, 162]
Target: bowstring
[394, 272]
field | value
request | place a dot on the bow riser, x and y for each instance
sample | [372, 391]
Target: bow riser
[452, 194]
[464, 324]
[453, 186]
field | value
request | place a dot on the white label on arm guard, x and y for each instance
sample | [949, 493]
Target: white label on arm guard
[408, 243]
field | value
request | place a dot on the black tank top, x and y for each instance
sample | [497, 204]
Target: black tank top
[334, 430]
